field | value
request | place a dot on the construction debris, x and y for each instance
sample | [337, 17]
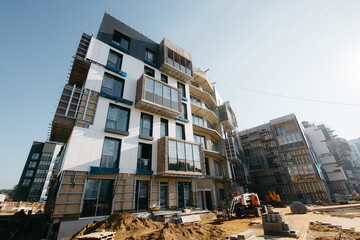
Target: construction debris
[247, 235]
[274, 224]
[298, 207]
[127, 226]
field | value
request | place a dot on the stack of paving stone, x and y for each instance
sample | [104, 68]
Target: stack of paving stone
[274, 224]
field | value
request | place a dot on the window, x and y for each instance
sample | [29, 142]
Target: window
[209, 125]
[164, 78]
[201, 140]
[184, 111]
[195, 101]
[149, 55]
[35, 156]
[207, 166]
[280, 131]
[98, 198]
[214, 146]
[26, 182]
[142, 195]
[183, 156]
[218, 168]
[159, 93]
[198, 120]
[121, 40]
[32, 164]
[146, 123]
[112, 85]
[184, 194]
[149, 71]
[114, 60]
[144, 156]
[117, 120]
[278, 178]
[46, 156]
[110, 154]
[180, 131]
[164, 130]
[181, 87]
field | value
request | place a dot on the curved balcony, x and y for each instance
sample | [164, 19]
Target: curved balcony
[209, 131]
[204, 112]
[214, 154]
[201, 94]
[201, 78]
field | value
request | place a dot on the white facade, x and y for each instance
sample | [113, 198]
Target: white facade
[85, 144]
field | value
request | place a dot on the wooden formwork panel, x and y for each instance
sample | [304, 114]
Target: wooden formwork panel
[124, 193]
[172, 193]
[69, 198]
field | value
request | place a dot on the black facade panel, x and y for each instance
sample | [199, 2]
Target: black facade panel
[22, 193]
[138, 42]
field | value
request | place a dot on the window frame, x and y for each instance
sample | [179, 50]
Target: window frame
[182, 89]
[121, 37]
[117, 161]
[142, 135]
[115, 130]
[149, 70]
[164, 122]
[119, 56]
[140, 156]
[114, 80]
[164, 78]
[147, 51]
[182, 131]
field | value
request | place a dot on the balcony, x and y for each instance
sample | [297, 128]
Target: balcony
[205, 96]
[227, 117]
[205, 112]
[232, 151]
[157, 97]
[212, 132]
[179, 158]
[175, 61]
[201, 78]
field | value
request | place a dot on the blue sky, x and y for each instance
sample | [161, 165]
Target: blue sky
[307, 49]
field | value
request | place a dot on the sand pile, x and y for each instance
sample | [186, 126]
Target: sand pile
[129, 227]
[124, 223]
[318, 231]
[184, 231]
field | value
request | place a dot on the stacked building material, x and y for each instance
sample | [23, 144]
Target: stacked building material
[274, 224]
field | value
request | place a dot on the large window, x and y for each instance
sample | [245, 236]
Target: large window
[111, 153]
[149, 71]
[146, 123]
[149, 55]
[144, 156]
[181, 87]
[180, 131]
[117, 120]
[198, 120]
[98, 198]
[161, 94]
[200, 139]
[114, 60]
[121, 40]
[184, 194]
[184, 156]
[112, 85]
[164, 130]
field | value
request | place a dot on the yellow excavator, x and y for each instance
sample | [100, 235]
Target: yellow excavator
[273, 199]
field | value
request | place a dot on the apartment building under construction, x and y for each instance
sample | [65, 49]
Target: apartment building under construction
[280, 160]
[143, 130]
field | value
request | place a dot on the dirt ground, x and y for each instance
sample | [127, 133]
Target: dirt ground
[129, 227]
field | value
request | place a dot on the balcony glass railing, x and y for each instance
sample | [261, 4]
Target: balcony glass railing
[159, 93]
[184, 156]
[179, 66]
